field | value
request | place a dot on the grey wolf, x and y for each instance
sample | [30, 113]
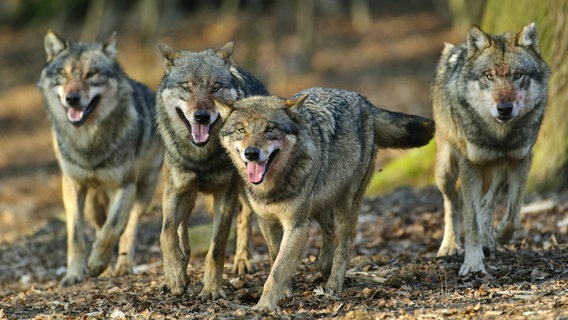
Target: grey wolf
[308, 158]
[489, 98]
[106, 145]
[189, 124]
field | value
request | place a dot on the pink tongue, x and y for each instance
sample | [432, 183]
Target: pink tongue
[200, 133]
[255, 171]
[74, 115]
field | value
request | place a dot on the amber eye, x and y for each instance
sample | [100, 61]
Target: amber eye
[518, 76]
[269, 129]
[241, 130]
[184, 86]
[489, 76]
[216, 87]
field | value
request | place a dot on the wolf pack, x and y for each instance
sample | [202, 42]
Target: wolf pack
[212, 128]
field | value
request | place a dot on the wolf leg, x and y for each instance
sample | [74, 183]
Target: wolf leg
[243, 262]
[177, 206]
[471, 180]
[146, 188]
[487, 207]
[225, 201]
[325, 258]
[121, 203]
[291, 249]
[74, 201]
[518, 176]
[347, 220]
[446, 177]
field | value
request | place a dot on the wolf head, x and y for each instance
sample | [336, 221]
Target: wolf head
[193, 80]
[78, 77]
[260, 134]
[506, 74]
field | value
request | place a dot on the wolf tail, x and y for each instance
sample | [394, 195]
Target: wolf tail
[399, 130]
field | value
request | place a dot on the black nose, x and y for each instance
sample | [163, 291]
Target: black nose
[202, 116]
[252, 153]
[73, 99]
[505, 109]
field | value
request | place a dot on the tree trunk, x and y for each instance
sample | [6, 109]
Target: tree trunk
[550, 164]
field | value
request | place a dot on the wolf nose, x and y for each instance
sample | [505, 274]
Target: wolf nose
[73, 99]
[202, 116]
[252, 153]
[505, 109]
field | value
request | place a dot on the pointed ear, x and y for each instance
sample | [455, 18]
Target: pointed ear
[169, 53]
[528, 37]
[53, 44]
[109, 47]
[226, 52]
[293, 105]
[225, 108]
[477, 40]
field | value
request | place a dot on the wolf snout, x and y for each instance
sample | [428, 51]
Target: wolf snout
[505, 109]
[202, 116]
[252, 153]
[73, 99]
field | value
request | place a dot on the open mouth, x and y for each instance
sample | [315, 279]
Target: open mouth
[78, 116]
[199, 132]
[256, 171]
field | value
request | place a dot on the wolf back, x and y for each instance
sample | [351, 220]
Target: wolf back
[106, 145]
[489, 99]
[310, 158]
[189, 124]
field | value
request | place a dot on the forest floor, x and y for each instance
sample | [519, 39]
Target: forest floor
[394, 272]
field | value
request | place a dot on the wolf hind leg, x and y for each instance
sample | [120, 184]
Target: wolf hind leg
[446, 178]
[325, 257]
[518, 176]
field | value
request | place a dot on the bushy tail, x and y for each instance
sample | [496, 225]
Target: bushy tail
[400, 130]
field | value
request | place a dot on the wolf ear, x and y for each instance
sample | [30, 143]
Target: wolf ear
[293, 105]
[226, 52]
[109, 47]
[528, 37]
[225, 108]
[169, 53]
[53, 44]
[477, 40]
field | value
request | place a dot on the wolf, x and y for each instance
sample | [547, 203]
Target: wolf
[310, 157]
[189, 124]
[489, 97]
[106, 144]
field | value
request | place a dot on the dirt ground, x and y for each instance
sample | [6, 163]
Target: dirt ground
[393, 273]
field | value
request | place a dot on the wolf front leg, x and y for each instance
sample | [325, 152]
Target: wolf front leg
[278, 283]
[471, 180]
[518, 176]
[177, 206]
[121, 202]
[225, 201]
[74, 202]
[243, 262]
[446, 177]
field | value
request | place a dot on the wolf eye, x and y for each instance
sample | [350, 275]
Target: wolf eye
[184, 86]
[489, 76]
[91, 72]
[517, 76]
[241, 130]
[269, 129]
[216, 87]
[61, 72]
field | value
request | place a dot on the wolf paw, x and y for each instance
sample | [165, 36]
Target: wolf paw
[449, 250]
[176, 281]
[504, 233]
[71, 279]
[122, 268]
[264, 305]
[207, 294]
[243, 266]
